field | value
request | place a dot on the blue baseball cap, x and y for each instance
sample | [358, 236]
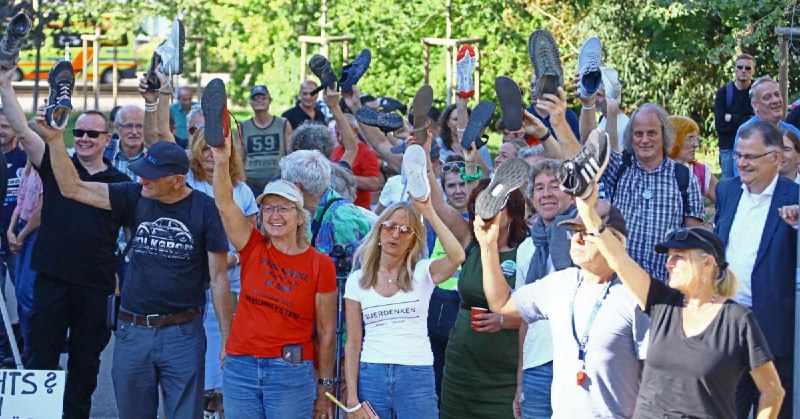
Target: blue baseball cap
[164, 158]
[259, 89]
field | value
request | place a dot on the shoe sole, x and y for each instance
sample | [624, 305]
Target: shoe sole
[213, 104]
[464, 52]
[510, 97]
[510, 176]
[321, 67]
[479, 119]
[423, 100]
[386, 122]
[416, 172]
[360, 65]
[546, 61]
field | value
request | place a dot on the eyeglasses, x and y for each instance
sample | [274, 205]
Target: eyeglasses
[694, 139]
[682, 234]
[750, 157]
[577, 233]
[132, 126]
[390, 227]
[744, 67]
[281, 209]
[194, 128]
[79, 133]
[453, 165]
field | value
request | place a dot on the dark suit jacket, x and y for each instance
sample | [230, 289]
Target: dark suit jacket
[773, 279]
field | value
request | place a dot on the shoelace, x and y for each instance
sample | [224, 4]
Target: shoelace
[593, 63]
[63, 92]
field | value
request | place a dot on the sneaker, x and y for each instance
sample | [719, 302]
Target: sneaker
[423, 100]
[171, 50]
[510, 97]
[509, 176]
[386, 122]
[546, 62]
[579, 173]
[153, 83]
[611, 82]
[589, 60]
[215, 112]
[390, 104]
[321, 68]
[415, 169]
[479, 119]
[59, 104]
[351, 73]
[465, 65]
[11, 43]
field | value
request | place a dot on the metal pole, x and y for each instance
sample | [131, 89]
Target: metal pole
[783, 72]
[796, 374]
[10, 331]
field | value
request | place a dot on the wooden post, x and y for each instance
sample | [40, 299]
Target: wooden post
[477, 73]
[783, 74]
[198, 65]
[345, 52]
[83, 73]
[114, 77]
[96, 67]
[303, 60]
[426, 63]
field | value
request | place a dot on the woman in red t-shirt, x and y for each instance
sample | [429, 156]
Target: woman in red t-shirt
[287, 288]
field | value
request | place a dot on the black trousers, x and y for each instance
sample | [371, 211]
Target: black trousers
[59, 306]
[747, 393]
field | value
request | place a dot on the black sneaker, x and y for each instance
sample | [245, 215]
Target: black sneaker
[386, 122]
[546, 62]
[579, 173]
[11, 43]
[153, 83]
[479, 119]
[511, 175]
[321, 68]
[510, 97]
[59, 104]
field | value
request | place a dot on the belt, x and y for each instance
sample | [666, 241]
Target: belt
[159, 320]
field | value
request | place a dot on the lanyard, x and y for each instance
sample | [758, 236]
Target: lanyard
[585, 338]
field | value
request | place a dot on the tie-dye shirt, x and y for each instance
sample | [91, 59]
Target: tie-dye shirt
[342, 223]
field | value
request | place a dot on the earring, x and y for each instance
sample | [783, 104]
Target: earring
[379, 244]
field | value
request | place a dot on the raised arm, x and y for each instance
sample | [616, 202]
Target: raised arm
[373, 136]
[612, 111]
[556, 106]
[449, 215]
[498, 293]
[441, 269]
[31, 142]
[348, 137]
[150, 113]
[162, 112]
[588, 118]
[233, 220]
[533, 126]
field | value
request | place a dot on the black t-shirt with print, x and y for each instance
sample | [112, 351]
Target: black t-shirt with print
[696, 376]
[168, 267]
[76, 241]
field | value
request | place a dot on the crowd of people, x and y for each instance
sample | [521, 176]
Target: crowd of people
[576, 274]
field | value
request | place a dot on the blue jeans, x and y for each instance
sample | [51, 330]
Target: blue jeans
[172, 356]
[535, 398]
[726, 163]
[268, 388]
[25, 278]
[407, 391]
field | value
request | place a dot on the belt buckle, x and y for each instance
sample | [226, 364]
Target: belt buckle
[148, 317]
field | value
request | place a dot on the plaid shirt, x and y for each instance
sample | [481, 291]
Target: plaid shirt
[120, 162]
[652, 205]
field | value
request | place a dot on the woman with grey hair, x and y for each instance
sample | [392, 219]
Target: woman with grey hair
[312, 136]
[288, 289]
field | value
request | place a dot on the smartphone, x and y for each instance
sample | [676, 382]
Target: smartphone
[474, 311]
[363, 405]
[292, 354]
[112, 311]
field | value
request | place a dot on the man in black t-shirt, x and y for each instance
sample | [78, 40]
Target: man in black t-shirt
[73, 255]
[306, 109]
[178, 246]
[732, 108]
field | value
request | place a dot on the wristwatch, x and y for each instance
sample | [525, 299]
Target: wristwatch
[327, 382]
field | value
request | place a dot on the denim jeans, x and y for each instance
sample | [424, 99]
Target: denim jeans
[407, 391]
[172, 356]
[726, 163]
[23, 286]
[268, 388]
[535, 398]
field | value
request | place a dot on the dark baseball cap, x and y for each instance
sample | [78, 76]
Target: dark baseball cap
[693, 238]
[259, 89]
[611, 216]
[164, 158]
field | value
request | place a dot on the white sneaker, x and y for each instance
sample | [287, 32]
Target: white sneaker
[171, 50]
[415, 168]
[589, 61]
[611, 82]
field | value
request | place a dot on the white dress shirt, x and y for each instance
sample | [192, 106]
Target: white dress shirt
[745, 238]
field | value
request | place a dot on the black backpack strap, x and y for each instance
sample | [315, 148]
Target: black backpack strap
[316, 225]
[729, 96]
[682, 177]
[627, 161]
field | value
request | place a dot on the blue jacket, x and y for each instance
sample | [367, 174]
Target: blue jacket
[773, 279]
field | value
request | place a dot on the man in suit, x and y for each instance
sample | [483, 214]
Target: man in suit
[761, 249]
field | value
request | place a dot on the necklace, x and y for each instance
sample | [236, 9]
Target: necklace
[686, 303]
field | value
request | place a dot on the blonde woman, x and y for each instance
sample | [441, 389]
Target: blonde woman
[387, 306]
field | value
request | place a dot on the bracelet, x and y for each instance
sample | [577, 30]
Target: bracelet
[469, 178]
[543, 138]
[597, 232]
[151, 107]
[501, 321]
[165, 93]
[586, 108]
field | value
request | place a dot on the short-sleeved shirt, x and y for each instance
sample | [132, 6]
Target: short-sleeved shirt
[342, 223]
[296, 116]
[617, 342]
[651, 203]
[365, 164]
[15, 165]
[168, 265]
[76, 241]
[396, 327]
[113, 153]
[30, 187]
[181, 128]
[264, 148]
[696, 376]
[277, 303]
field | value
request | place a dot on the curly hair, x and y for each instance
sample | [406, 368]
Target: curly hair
[312, 136]
[235, 166]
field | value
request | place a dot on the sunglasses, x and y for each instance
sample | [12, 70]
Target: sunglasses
[391, 226]
[453, 165]
[195, 128]
[79, 133]
[744, 67]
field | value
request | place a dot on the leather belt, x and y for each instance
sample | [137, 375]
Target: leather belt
[159, 320]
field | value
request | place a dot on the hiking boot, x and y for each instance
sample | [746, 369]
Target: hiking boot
[386, 122]
[611, 82]
[171, 50]
[579, 173]
[420, 106]
[321, 68]
[59, 104]
[11, 43]
[510, 97]
[546, 62]
[465, 65]
[351, 73]
[151, 78]
[509, 176]
[589, 61]
[215, 112]
[415, 169]
[479, 119]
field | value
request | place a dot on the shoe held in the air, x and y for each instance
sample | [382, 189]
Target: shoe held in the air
[352, 73]
[589, 61]
[215, 112]
[416, 172]
[465, 65]
[11, 43]
[171, 50]
[509, 176]
[546, 62]
[59, 104]
[579, 173]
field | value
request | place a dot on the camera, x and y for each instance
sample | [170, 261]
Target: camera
[342, 255]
